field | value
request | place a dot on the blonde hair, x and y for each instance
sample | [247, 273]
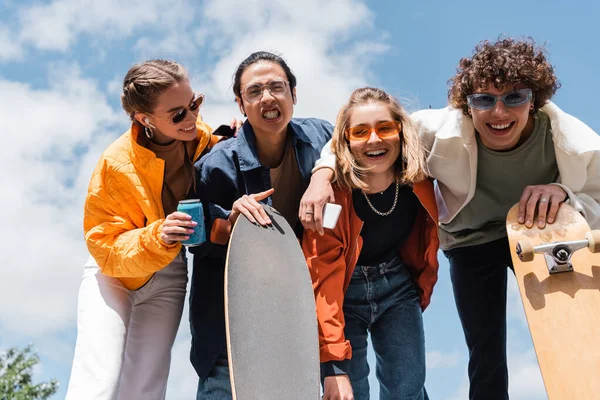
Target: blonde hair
[145, 82]
[410, 165]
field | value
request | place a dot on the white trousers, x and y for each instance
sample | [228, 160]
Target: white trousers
[124, 337]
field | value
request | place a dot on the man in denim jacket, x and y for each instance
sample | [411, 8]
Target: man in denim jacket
[270, 160]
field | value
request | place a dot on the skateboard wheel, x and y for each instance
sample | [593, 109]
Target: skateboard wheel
[593, 238]
[525, 251]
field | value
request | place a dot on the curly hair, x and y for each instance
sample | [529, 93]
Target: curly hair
[503, 63]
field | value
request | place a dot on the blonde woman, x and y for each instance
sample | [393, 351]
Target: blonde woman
[375, 271]
[133, 288]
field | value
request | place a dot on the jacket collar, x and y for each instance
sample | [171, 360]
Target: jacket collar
[248, 151]
[141, 153]
[569, 133]
[453, 118]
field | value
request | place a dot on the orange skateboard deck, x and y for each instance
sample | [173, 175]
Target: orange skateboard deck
[559, 285]
[270, 314]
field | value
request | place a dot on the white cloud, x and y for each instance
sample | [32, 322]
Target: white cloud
[11, 48]
[440, 359]
[58, 24]
[43, 249]
[335, 20]
[317, 39]
[525, 378]
[462, 392]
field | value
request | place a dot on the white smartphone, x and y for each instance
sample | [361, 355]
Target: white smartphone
[331, 213]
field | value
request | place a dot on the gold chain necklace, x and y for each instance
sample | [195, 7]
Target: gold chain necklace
[383, 214]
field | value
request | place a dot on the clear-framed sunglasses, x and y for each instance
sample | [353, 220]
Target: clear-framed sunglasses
[486, 101]
[253, 92]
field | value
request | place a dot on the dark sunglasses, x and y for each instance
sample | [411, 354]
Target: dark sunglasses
[180, 115]
[486, 101]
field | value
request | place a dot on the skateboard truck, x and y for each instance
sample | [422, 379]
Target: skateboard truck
[558, 254]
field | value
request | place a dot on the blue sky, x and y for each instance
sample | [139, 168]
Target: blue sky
[61, 67]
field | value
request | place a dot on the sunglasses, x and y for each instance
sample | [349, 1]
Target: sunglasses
[486, 101]
[180, 115]
[253, 92]
[384, 129]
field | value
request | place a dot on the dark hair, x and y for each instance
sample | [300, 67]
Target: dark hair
[261, 56]
[505, 62]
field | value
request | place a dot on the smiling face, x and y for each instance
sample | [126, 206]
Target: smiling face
[377, 154]
[177, 97]
[271, 113]
[502, 128]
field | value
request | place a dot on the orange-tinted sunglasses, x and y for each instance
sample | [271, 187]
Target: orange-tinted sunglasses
[383, 129]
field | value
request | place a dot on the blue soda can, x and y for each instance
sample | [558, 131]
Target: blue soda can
[193, 208]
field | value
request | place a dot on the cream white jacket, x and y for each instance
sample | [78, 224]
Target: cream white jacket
[449, 136]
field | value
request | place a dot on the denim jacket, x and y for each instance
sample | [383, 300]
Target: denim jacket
[229, 171]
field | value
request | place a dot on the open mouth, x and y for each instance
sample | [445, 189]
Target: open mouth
[375, 154]
[500, 128]
[271, 115]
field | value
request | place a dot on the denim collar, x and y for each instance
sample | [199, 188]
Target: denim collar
[247, 150]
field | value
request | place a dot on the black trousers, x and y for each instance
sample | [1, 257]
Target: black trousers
[479, 275]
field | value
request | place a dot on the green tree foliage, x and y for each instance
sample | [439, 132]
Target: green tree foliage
[15, 376]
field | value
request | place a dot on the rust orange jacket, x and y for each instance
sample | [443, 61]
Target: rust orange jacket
[124, 213]
[332, 257]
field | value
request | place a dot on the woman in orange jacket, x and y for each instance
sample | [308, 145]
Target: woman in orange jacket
[133, 288]
[375, 271]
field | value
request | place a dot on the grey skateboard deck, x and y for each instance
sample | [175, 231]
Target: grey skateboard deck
[272, 334]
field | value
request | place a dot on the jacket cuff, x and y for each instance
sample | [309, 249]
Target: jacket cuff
[327, 159]
[568, 191]
[157, 231]
[335, 367]
[571, 199]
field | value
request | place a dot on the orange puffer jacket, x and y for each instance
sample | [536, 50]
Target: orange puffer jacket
[124, 213]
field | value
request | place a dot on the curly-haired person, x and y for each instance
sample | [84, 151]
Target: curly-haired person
[499, 142]
[502, 141]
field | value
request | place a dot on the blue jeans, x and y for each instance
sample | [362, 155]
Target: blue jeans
[383, 299]
[217, 385]
[479, 275]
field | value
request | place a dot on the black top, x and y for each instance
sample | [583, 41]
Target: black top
[383, 236]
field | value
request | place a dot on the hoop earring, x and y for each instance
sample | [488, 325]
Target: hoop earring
[149, 133]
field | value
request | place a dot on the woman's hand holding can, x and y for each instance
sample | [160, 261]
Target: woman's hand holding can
[192, 208]
[177, 227]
